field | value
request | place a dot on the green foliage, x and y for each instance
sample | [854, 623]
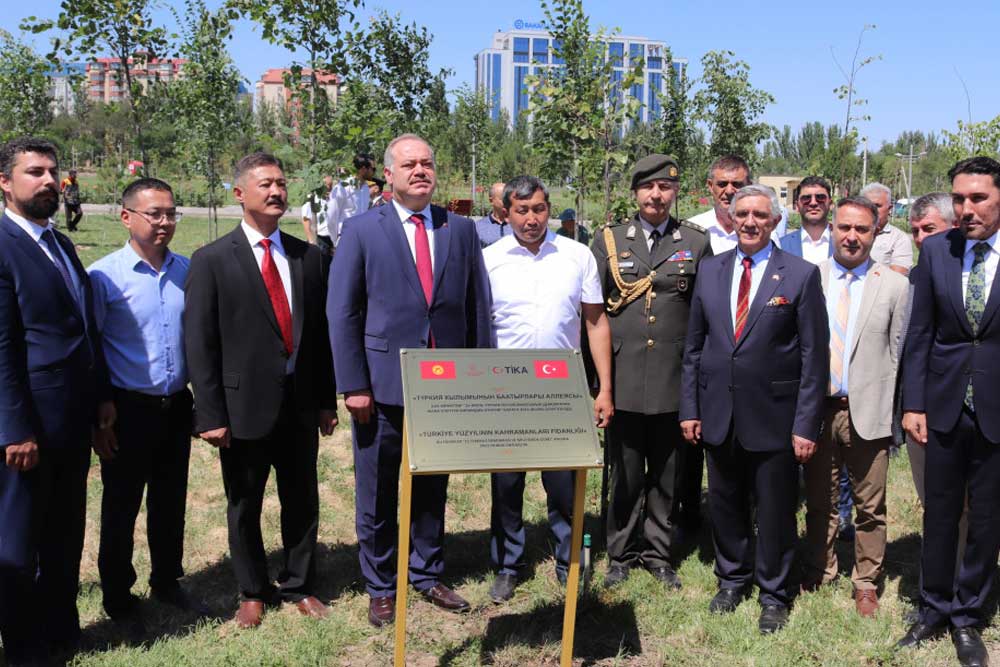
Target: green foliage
[973, 138]
[24, 90]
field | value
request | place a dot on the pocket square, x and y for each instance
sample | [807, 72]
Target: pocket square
[778, 301]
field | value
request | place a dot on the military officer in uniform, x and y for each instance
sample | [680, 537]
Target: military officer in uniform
[648, 266]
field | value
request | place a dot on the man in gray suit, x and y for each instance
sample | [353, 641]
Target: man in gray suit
[866, 305]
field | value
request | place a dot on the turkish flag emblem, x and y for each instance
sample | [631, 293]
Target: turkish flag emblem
[551, 369]
[437, 370]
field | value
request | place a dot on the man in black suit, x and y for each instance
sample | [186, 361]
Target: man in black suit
[52, 375]
[755, 374]
[951, 407]
[261, 370]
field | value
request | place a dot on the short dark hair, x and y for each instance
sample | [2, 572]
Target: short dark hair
[363, 160]
[728, 163]
[141, 185]
[812, 181]
[859, 202]
[10, 150]
[522, 187]
[254, 160]
[977, 165]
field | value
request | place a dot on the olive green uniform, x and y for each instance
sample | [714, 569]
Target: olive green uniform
[648, 335]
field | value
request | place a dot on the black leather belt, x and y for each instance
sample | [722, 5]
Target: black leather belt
[150, 401]
[837, 402]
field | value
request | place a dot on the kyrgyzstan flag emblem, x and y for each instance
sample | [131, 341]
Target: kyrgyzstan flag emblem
[437, 370]
[551, 369]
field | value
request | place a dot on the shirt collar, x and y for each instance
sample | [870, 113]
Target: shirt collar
[33, 230]
[405, 213]
[716, 229]
[649, 227]
[254, 237]
[824, 237]
[969, 243]
[494, 220]
[758, 258]
[837, 271]
[511, 245]
[134, 260]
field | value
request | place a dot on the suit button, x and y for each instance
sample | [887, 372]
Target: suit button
[650, 343]
[652, 319]
[652, 295]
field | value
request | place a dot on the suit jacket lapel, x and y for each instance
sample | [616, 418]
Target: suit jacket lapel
[442, 245]
[31, 249]
[81, 273]
[991, 303]
[725, 291]
[392, 226]
[769, 283]
[248, 264]
[873, 283]
[295, 269]
[953, 279]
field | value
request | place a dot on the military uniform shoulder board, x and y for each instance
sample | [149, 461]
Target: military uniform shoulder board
[691, 225]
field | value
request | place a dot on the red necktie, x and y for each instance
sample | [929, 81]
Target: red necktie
[423, 251]
[276, 290]
[743, 299]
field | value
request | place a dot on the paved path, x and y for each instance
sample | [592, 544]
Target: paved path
[234, 211]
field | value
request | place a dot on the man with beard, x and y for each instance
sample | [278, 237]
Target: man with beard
[812, 202]
[259, 359]
[53, 375]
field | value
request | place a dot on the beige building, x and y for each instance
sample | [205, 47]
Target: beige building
[784, 186]
[271, 89]
[106, 83]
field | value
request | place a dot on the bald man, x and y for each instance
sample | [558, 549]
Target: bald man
[494, 226]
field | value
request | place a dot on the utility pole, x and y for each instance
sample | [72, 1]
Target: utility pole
[908, 175]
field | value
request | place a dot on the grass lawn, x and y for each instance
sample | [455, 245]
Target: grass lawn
[637, 624]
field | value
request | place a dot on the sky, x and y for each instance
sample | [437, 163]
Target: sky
[927, 49]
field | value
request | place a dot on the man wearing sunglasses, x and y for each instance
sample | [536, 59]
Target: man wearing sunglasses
[812, 202]
[138, 303]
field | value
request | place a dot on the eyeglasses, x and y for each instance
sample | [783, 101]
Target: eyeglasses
[162, 218]
[820, 198]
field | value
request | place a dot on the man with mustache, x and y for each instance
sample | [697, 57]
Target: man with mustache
[756, 367]
[726, 175]
[53, 375]
[407, 275]
[260, 365]
[866, 307]
[951, 407]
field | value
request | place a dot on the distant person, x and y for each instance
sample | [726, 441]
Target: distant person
[726, 175]
[54, 391]
[350, 196]
[138, 304]
[813, 202]
[535, 255]
[259, 358]
[494, 226]
[375, 186]
[892, 247]
[314, 212]
[71, 200]
[571, 229]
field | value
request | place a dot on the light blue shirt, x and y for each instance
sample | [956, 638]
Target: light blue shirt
[834, 290]
[138, 310]
[757, 271]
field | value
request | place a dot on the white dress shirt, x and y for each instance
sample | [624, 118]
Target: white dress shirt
[410, 228]
[722, 240]
[647, 229]
[992, 259]
[816, 252]
[834, 290]
[757, 271]
[347, 199]
[536, 298]
[35, 232]
[281, 262]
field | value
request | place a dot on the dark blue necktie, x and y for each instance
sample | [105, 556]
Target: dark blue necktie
[49, 239]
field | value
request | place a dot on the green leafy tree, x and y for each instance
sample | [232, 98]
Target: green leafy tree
[730, 106]
[24, 89]
[973, 138]
[854, 105]
[123, 28]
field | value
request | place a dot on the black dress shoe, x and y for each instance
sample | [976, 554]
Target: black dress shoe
[175, 596]
[666, 576]
[727, 600]
[442, 596]
[503, 587]
[617, 574]
[969, 647]
[773, 617]
[381, 611]
[918, 633]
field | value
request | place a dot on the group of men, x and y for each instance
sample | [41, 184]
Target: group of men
[709, 344]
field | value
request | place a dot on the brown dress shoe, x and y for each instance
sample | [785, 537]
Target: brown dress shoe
[381, 611]
[444, 597]
[312, 607]
[249, 614]
[866, 602]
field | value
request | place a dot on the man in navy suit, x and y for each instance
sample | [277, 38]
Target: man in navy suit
[813, 203]
[951, 407]
[407, 275]
[755, 373]
[52, 375]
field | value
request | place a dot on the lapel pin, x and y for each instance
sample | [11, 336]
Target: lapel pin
[625, 254]
[775, 277]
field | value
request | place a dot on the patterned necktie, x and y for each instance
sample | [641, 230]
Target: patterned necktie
[743, 298]
[423, 256]
[838, 336]
[654, 241]
[975, 299]
[276, 290]
[49, 239]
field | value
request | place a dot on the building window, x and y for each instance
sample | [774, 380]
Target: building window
[616, 53]
[540, 50]
[557, 58]
[520, 92]
[495, 111]
[635, 58]
[678, 71]
[784, 193]
[655, 86]
[521, 45]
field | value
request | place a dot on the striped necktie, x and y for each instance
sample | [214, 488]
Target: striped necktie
[743, 298]
[838, 336]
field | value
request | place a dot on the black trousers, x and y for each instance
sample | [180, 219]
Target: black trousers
[735, 476]
[291, 448]
[642, 452]
[959, 460]
[690, 472]
[154, 445]
[73, 214]
[42, 528]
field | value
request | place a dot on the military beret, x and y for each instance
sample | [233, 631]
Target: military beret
[655, 167]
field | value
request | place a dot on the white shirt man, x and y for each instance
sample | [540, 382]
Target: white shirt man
[818, 251]
[347, 199]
